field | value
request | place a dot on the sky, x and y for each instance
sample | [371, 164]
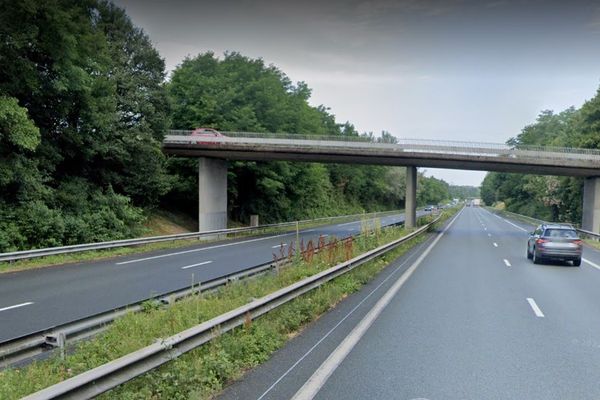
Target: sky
[443, 70]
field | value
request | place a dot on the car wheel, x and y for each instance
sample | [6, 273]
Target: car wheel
[529, 255]
[536, 259]
[577, 262]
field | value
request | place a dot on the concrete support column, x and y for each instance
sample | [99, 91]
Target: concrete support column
[212, 194]
[410, 200]
[590, 220]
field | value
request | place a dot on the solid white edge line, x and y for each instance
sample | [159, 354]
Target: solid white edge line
[591, 264]
[279, 245]
[202, 249]
[17, 306]
[507, 263]
[507, 221]
[391, 275]
[535, 308]
[196, 265]
[311, 387]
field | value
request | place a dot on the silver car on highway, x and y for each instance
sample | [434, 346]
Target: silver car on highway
[554, 242]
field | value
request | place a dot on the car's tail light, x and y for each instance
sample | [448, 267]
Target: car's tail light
[578, 242]
[540, 241]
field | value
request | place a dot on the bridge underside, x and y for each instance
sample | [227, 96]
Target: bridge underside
[213, 196]
[422, 160]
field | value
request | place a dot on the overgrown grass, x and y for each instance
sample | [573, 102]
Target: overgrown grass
[204, 371]
[163, 222]
[99, 255]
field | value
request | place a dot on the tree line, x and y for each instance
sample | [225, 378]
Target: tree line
[84, 106]
[550, 198]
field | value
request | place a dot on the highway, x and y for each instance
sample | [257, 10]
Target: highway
[39, 299]
[464, 315]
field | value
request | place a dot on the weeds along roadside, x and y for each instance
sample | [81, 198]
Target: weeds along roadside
[203, 372]
[99, 255]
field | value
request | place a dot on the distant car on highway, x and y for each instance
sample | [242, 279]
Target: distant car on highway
[429, 208]
[554, 242]
[205, 132]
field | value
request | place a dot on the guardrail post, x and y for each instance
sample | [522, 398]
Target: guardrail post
[590, 220]
[254, 220]
[410, 199]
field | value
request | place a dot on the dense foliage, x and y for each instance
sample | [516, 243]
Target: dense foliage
[548, 197]
[245, 95]
[82, 114]
[84, 106]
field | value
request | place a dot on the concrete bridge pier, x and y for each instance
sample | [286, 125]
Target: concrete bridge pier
[590, 220]
[410, 200]
[212, 194]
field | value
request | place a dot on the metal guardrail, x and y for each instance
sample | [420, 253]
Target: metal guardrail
[27, 254]
[58, 337]
[27, 346]
[536, 221]
[434, 146]
[592, 234]
[112, 374]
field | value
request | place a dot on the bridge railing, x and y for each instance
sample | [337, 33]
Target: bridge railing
[401, 144]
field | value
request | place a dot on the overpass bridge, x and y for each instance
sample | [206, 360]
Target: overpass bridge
[411, 153]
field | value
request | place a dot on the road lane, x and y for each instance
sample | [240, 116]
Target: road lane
[463, 327]
[66, 293]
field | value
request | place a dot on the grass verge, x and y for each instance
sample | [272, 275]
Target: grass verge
[203, 372]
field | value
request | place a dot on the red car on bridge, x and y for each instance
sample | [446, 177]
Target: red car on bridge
[205, 132]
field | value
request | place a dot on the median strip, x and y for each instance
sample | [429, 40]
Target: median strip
[311, 387]
[251, 343]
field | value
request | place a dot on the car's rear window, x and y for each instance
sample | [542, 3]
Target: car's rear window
[561, 233]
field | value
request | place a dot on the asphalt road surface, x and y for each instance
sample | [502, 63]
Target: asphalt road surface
[464, 315]
[39, 299]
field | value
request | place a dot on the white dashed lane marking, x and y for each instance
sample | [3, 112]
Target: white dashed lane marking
[16, 306]
[535, 308]
[196, 265]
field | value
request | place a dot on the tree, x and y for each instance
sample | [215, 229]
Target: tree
[87, 88]
[548, 197]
